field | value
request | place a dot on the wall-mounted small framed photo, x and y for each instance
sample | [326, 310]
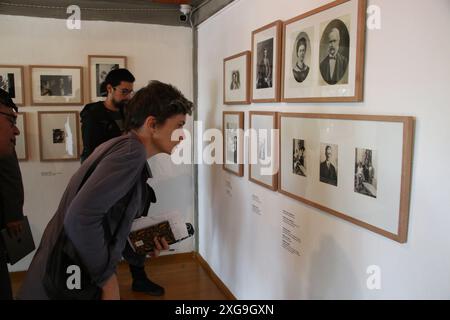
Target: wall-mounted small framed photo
[266, 62]
[236, 79]
[263, 149]
[56, 85]
[21, 139]
[12, 81]
[58, 135]
[233, 144]
[355, 167]
[323, 56]
[99, 67]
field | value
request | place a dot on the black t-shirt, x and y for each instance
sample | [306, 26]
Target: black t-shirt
[98, 125]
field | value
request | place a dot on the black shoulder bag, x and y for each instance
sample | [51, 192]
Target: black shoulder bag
[64, 254]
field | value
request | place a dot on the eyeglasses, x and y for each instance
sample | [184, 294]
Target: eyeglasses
[12, 118]
[124, 92]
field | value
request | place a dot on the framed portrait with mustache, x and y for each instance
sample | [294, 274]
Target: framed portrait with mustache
[323, 58]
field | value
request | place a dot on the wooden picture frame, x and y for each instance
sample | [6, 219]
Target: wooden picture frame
[21, 139]
[263, 149]
[310, 40]
[236, 79]
[233, 145]
[98, 67]
[266, 62]
[56, 85]
[59, 135]
[12, 81]
[357, 167]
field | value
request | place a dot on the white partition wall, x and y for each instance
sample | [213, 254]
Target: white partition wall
[406, 73]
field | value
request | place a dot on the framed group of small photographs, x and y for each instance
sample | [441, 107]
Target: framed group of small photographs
[355, 167]
[317, 56]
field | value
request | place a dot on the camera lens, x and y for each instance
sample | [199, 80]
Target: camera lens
[183, 18]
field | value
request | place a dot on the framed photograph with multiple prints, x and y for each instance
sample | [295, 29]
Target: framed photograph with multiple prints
[263, 150]
[323, 58]
[56, 85]
[11, 80]
[233, 144]
[356, 167]
[58, 135]
[21, 139]
[266, 62]
[236, 79]
[99, 67]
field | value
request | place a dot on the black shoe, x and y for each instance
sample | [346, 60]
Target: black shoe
[147, 286]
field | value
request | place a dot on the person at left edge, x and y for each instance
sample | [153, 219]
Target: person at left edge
[11, 187]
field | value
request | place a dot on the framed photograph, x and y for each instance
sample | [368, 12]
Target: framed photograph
[355, 167]
[59, 135]
[323, 57]
[263, 152]
[56, 85]
[11, 80]
[266, 63]
[233, 145]
[236, 79]
[99, 67]
[21, 139]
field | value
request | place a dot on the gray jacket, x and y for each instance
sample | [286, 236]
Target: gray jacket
[84, 215]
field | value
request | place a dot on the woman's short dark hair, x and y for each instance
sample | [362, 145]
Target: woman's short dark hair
[302, 40]
[159, 100]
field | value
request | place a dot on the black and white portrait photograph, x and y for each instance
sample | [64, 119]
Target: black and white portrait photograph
[58, 136]
[264, 72]
[231, 142]
[101, 71]
[7, 83]
[235, 80]
[298, 157]
[52, 85]
[329, 163]
[365, 172]
[262, 147]
[301, 57]
[334, 53]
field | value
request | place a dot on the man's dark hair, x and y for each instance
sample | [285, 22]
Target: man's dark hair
[5, 100]
[114, 78]
[159, 100]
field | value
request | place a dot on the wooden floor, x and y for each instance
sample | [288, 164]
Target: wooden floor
[181, 275]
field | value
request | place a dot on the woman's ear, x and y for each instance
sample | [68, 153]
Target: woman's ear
[150, 122]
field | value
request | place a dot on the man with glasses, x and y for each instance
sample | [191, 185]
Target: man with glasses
[103, 120]
[11, 188]
[100, 122]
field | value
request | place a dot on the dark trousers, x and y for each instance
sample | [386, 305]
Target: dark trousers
[5, 281]
[134, 259]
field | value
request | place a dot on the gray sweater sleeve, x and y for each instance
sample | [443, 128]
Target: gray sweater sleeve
[111, 180]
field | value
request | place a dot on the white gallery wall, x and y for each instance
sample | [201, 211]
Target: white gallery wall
[153, 52]
[407, 72]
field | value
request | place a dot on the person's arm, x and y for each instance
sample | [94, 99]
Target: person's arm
[112, 179]
[11, 190]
